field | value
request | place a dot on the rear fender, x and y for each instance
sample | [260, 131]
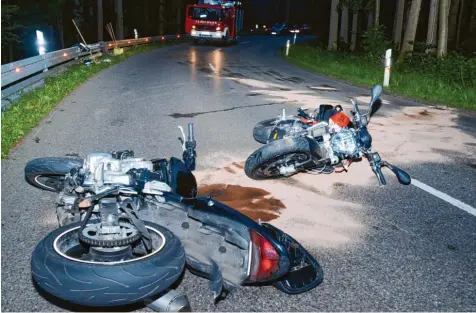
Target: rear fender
[212, 230]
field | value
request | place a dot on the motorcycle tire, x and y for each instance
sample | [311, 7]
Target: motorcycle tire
[263, 129]
[48, 173]
[106, 284]
[274, 151]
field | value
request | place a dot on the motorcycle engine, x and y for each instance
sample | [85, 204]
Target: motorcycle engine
[103, 168]
[345, 143]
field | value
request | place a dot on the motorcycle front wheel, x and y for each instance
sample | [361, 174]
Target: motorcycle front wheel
[62, 266]
[265, 163]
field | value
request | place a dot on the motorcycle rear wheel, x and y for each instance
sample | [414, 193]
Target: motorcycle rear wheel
[59, 266]
[260, 164]
[263, 129]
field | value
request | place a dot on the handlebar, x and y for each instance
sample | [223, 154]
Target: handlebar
[189, 155]
[191, 136]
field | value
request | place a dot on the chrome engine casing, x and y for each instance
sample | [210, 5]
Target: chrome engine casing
[102, 172]
[101, 168]
[344, 143]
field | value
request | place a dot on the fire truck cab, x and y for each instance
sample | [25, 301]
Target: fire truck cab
[214, 20]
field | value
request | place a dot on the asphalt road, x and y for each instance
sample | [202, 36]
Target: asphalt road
[417, 253]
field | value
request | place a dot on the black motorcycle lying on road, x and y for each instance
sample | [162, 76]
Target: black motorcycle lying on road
[129, 226]
[322, 142]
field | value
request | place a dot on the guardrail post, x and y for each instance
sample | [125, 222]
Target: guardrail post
[388, 64]
[287, 47]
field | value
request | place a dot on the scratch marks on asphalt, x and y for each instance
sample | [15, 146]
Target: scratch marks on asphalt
[189, 115]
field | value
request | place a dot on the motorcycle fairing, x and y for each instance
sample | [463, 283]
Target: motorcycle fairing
[235, 226]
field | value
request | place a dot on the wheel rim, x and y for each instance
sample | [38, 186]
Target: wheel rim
[67, 245]
[271, 167]
[52, 182]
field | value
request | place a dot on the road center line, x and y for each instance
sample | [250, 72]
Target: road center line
[212, 67]
[443, 196]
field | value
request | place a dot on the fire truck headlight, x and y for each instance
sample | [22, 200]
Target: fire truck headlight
[218, 28]
[193, 26]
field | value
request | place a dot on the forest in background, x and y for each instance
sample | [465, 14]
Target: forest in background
[419, 20]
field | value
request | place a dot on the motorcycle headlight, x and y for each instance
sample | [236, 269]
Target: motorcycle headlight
[344, 142]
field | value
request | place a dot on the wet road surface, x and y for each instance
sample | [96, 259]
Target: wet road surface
[387, 249]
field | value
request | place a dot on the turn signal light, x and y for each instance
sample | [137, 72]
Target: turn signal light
[264, 258]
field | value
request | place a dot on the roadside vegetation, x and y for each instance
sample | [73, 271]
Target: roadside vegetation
[432, 42]
[449, 80]
[20, 118]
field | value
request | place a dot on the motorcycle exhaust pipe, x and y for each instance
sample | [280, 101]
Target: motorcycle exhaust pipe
[172, 301]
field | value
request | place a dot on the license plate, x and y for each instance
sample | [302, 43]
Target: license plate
[205, 33]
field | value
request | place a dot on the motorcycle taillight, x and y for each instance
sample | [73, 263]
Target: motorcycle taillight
[264, 258]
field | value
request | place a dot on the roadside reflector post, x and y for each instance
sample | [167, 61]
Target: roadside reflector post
[41, 42]
[287, 47]
[388, 64]
[294, 42]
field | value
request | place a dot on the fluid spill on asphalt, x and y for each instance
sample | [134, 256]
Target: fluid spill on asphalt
[301, 208]
[420, 115]
[253, 202]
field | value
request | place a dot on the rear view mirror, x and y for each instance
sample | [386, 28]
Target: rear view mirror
[375, 102]
[376, 92]
[402, 176]
[375, 107]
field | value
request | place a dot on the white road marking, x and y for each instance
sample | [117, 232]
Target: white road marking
[323, 88]
[212, 67]
[244, 42]
[443, 196]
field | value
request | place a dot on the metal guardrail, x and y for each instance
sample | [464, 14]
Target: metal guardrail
[19, 75]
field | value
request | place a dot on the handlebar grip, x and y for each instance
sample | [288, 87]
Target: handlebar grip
[191, 136]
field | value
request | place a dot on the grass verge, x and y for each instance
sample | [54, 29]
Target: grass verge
[19, 119]
[354, 69]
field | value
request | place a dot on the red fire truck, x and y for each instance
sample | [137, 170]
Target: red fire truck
[217, 20]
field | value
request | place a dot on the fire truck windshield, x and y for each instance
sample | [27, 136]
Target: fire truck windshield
[205, 14]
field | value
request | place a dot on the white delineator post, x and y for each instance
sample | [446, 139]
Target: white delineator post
[287, 47]
[41, 42]
[294, 42]
[388, 64]
[136, 35]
